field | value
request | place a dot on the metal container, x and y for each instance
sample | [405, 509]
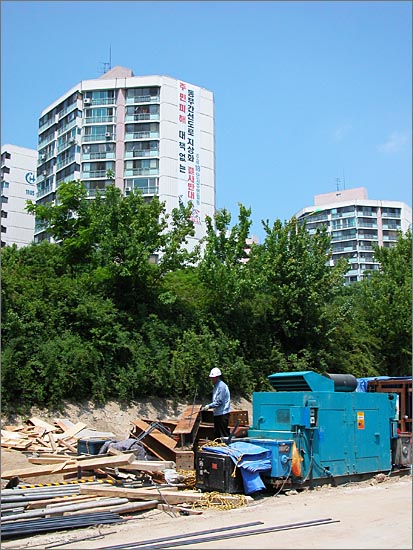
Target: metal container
[214, 472]
[89, 446]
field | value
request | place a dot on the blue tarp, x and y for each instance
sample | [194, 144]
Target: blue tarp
[362, 383]
[250, 459]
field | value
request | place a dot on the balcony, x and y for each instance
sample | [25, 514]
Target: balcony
[395, 215]
[141, 172]
[142, 153]
[46, 141]
[142, 99]
[98, 156]
[100, 101]
[142, 116]
[66, 144]
[342, 215]
[99, 137]
[48, 124]
[67, 110]
[141, 135]
[66, 127]
[65, 162]
[94, 174]
[99, 119]
[394, 226]
[148, 190]
[43, 191]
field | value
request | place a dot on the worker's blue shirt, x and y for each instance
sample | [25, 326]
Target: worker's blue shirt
[220, 399]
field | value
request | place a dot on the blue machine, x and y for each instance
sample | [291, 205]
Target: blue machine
[336, 431]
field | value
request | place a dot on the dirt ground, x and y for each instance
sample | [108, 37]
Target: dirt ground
[374, 514]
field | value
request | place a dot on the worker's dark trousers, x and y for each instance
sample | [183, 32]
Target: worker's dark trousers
[221, 425]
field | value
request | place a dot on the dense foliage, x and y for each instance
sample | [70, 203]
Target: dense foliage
[93, 316]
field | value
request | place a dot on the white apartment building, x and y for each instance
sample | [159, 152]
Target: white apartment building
[153, 133]
[18, 184]
[355, 223]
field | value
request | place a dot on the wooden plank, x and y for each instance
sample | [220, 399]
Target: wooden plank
[68, 445]
[120, 508]
[52, 441]
[48, 459]
[187, 420]
[156, 434]
[87, 464]
[63, 424]
[172, 497]
[72, 431]
[13, 435]
[157, 443]
[148, 465]
[42, 424]
[17, 445]
[184, 460]
[14, 428]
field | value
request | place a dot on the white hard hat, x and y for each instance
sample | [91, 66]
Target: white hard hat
[214, 373]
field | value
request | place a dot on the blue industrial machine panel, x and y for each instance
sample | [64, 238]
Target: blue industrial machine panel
[338, 432]
[281, 455]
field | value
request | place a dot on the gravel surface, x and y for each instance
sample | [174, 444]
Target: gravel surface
[373, 514]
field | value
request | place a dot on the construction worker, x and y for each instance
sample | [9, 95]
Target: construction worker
[220, 404]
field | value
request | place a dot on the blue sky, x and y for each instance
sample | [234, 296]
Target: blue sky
[306, 93]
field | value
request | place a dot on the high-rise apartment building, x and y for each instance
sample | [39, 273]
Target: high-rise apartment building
[18, 184]
[152, 133]
[355, 224]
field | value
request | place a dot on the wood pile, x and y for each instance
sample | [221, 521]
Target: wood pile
[114, 483]
[42, 437]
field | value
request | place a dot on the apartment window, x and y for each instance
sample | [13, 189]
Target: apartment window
[367, 211]
[4, 199]
[148, 186]
[142, 112]
[66, 172]
[5, 185]
[30, 192]
[142, 94]
[4, 214]
[99, 114]
[94, 133]
[5, 156]
[144, 163]
[391, 212]
[5, 170]
[100, 97]
[3, 229]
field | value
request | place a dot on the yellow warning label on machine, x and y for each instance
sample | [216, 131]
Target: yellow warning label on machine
[360, 420]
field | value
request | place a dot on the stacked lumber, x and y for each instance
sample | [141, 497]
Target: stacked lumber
[39, 436]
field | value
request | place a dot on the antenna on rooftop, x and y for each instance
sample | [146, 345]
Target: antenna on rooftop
[344, 181]
[338, 184]
[106, 65]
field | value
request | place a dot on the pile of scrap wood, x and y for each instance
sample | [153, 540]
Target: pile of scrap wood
[99, 488]
[39, 436]
[193, 428]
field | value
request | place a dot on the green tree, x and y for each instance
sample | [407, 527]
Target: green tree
[293, 283]
[386, 304]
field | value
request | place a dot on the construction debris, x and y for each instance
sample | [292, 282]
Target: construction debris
[106, 477]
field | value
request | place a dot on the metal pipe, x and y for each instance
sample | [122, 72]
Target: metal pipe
[134, 506]
[170, 544]
[32, 527]
[56, 509]
[196, 533]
